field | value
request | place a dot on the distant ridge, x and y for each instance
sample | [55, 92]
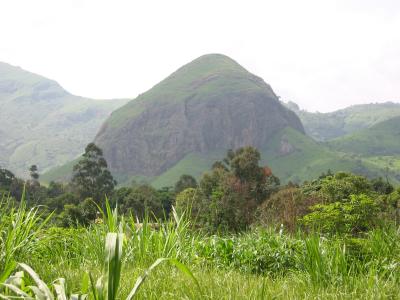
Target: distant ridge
[43, 124]
[382, 139]
[327, 126]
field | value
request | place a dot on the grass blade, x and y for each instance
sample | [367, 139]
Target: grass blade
[40, 284]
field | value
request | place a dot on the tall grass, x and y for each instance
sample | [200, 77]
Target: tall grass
[171, 239]
[19, 232]
[107, 285]
[120, 255]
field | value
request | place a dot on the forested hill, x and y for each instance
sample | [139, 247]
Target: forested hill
[41, 123]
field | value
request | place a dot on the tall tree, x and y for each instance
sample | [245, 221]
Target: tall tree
[230, 193]
[33, 170]
[91, 176]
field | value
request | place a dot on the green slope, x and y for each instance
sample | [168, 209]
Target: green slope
[61, 173]
[308, 159]
[292, 156]
[328, 126]
[381, 139]
[194, 164]
[379, 146]
[43, 124]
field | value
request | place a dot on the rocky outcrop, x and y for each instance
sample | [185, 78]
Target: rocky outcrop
[224, 108]
[286, 147]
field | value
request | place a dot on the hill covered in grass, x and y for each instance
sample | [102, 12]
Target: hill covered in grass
[41, 123]
[379, 145]
[381, 139]
[192, 117]
[327, 126]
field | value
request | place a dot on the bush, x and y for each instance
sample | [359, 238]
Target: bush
[141, 201]
[342, 185]
[260, 252]
[285, 207]
[81, 214]
[352, 216]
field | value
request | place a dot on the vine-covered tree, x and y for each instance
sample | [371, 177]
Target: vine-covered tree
[91, 177]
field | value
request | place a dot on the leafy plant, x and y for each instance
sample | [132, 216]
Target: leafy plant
[353, 216]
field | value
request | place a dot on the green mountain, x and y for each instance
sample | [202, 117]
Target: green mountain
[189, 120]
[379, 145]
[192, 118]
[43, 124]
[381, 139]
[327, 126]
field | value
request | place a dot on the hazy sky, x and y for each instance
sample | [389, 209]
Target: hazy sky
[323, 55]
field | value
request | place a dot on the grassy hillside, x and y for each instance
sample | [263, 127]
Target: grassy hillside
[194, 164]
[43, 124]
[379, 146]
[327, 126]
[381, 139]
[308, 159]
[61, 173]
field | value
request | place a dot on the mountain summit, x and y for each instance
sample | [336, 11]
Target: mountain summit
[206, 107]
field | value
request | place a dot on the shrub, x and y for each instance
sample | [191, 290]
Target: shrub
[342, 185]
[260, 252]
[352, 216]
[285, 207]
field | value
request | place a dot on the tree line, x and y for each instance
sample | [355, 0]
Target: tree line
[235, 195]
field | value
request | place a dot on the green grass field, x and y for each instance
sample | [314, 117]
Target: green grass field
[259, 264]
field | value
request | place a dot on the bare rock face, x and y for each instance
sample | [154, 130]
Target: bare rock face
[212, 103]
[286, 148]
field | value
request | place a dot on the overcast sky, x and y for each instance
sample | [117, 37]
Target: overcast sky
[323, 55]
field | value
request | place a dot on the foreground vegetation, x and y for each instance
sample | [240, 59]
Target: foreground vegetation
[257, 264]
[237, 234]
